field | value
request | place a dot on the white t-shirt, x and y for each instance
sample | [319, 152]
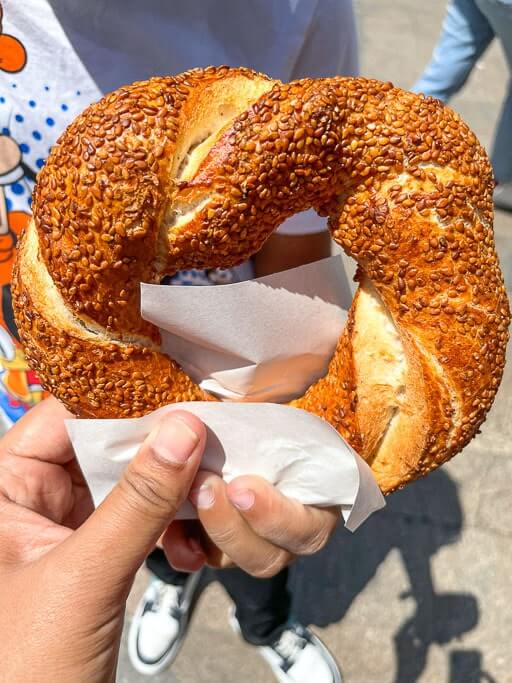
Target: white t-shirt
[76, 51]
[57, 56]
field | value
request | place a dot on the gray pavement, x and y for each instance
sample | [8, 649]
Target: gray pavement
[422, 592]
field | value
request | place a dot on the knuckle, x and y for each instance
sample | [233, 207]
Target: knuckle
[276, 533]
[277, 526]
[5, 504]
[273, 565]
[315, 542]
[320, 526]
[274, 522]
[145, 488]
[264, 572]
[223, 537]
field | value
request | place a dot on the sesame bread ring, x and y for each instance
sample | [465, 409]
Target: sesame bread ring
[196, 172]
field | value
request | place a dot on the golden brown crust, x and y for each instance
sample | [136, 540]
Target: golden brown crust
[334, 397]
[101, 200]
[198, 170]
[91, 376]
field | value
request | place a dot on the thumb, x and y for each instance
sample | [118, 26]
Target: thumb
[128, 523]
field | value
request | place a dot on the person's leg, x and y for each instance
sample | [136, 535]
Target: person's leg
[499, 16]
[501, 154]
[262, 605]
[157, 564]
[262, 615]
[465, 35]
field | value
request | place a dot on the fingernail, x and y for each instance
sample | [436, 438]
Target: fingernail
[203, 497]
[242, 498]
[174, 440]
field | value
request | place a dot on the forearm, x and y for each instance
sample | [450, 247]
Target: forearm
[281, 252]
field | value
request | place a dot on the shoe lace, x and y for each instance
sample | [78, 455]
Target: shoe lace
[167, 598]
[290, 644]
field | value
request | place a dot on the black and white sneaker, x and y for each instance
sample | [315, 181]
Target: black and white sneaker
[160, 623]
[298, 656]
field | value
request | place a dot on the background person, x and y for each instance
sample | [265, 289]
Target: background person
[468, 29]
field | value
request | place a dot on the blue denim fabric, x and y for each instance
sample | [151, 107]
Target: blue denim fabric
[468, 28]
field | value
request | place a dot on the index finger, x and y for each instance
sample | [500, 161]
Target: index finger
[40, 434]
[300, 529]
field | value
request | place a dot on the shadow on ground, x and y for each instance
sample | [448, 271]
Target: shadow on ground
[417, 522]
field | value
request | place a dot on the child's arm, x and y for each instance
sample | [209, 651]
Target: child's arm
[281, 252]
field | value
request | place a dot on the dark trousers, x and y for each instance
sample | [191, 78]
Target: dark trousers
[262, 605]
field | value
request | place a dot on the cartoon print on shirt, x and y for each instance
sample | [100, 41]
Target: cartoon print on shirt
[12, 170]
[13, 55]
[13, 58]
[20, 388]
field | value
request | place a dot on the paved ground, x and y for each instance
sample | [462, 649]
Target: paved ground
[422, 592]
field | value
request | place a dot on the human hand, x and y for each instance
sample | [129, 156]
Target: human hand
[65, 571]
[247, 523]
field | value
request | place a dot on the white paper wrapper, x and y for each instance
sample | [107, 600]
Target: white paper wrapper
[298, 452]
[261, 340]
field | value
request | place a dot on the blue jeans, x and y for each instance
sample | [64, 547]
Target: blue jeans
[468, 28]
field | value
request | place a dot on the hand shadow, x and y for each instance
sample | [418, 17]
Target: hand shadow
[466, 667]
[417, 522]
